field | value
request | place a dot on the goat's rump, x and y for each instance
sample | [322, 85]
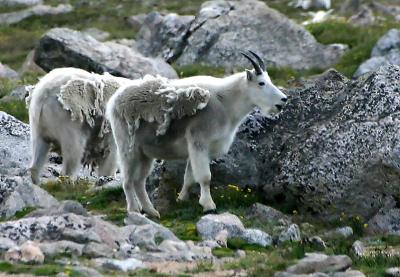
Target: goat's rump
[156, 100]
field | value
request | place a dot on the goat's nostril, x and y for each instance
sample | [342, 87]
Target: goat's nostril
[284, 99]
[279, 107]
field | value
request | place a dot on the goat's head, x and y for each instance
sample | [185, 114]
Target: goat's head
[262, 92]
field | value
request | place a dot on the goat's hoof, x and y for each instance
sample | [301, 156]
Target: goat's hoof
[152, 213]
[213, 211]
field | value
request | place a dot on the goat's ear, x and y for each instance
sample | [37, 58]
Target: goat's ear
[249, 75]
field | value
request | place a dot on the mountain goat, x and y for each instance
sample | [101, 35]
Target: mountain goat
[66, 109]
[193, 118]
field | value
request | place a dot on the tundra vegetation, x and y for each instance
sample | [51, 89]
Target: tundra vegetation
[17, 40]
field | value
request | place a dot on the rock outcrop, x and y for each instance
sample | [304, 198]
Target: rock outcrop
[221, 29]
[62, 47]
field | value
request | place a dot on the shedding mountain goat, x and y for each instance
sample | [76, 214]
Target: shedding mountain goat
[193, 118]
[66, 109]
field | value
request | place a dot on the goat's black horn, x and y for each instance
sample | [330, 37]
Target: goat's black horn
[259, 59]
[256, 66]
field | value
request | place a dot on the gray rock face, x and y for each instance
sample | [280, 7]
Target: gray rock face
[220, 227]
[385, 222]
[64, 207]
[222, 29]
[386, 51]
[163, 35]
[64, 47]
[39, 10]
[292, 233]
[358, 248]
[7, 72]
[97, 34]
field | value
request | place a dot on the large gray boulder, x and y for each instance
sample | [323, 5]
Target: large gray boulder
[386, 51]
[222, 29]
[62, 47]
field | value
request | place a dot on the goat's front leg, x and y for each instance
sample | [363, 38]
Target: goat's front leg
[200, 163]
[128, 168]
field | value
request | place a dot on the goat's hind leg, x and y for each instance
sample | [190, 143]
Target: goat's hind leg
[40, 148]
[72, 149]
[188, 181]
[142, 168]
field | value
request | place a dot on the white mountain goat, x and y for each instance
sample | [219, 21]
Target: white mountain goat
[193, 118]
[66, 109]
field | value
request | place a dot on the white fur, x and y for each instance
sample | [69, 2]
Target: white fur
[199, 138]
[51, 124]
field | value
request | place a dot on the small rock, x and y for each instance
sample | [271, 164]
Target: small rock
[358, 248]
[222, 238]
[84, 271]
[7, 72]
[315, 262]
[385, 222]
[348, 273]
[317, 242]
[136, 21]
[240, 253]
[265, 213]
[393, 272]
[344, 232]
[312, 4]
[62, 247]
[209, 226]
[290, 234]
[364, 17]
[97, 250]
[19, 93]
[97, 34]
[259, 237]
[64, 207]
[28, 252]
[5, 244]
[210, 243]
[121, 265]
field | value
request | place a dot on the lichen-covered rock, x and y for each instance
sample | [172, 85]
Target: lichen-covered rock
[386, 51]
[385, 222]
[62, 47]
[221, 29]
[28, 252]
[266, 214]
[292, 233]
[64, 207]
[62, 247]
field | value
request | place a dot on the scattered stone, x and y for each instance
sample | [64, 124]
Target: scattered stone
[62, 247]
[267, 214]
[12, 3]
[393, 272]
[311, 4]
[136, 21]
[221, 227]
[20, 93]
[317, 242]
[386, 51]
[29, 65]
[358, 248]
[240, 253]
[6, 244]
[65, 47]
[39, 10]
[209, 226]
[385, 222]
[364, 17]
[290, 234]
[121, 265]
[86, 271]
[97, 34]
[348, 273]
[344, 232]
[64, 207]
[315, 262]
[255, 236]
[97, 250]
[7, 72]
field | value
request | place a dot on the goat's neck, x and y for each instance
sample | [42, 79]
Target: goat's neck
[235, 99]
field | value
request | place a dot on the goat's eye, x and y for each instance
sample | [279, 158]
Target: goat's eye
[261, 83]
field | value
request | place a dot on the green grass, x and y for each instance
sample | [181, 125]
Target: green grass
[16, 108]
[360, 40]
[37, 270]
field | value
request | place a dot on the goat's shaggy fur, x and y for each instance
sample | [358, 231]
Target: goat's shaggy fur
[194, 118]
[66, 109]
[155, 100]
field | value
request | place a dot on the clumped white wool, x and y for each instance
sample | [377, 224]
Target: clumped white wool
[155, 100]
